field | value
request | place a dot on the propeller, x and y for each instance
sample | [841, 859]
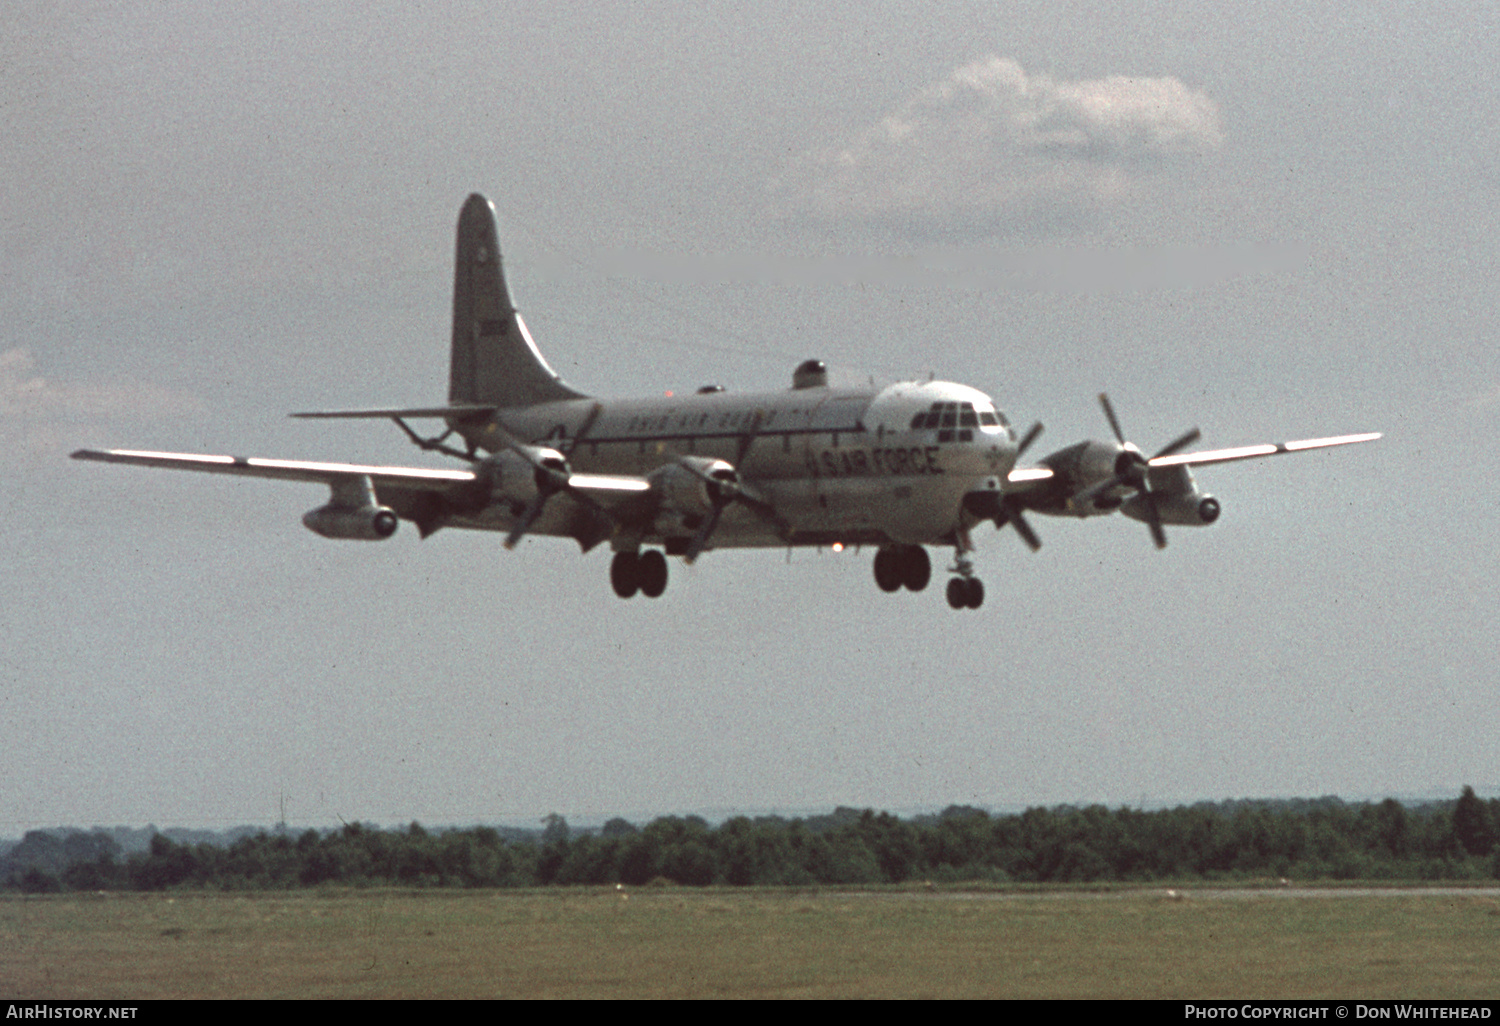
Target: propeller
[1131, 471]
[552, 475]
[723, 488]
[726, 487]
[1010, 508]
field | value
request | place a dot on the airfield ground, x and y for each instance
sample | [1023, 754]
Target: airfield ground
[668, 942]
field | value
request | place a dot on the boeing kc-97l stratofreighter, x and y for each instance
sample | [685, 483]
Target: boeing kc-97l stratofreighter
[898, 468]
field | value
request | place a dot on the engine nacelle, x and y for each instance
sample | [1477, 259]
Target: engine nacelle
[353, 512]
[1194, 510]
[361, 523]
[517, 480]
[695, 484]
[1079, 467]
[1178, 500]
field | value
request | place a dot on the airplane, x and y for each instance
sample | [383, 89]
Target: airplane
[897, 468]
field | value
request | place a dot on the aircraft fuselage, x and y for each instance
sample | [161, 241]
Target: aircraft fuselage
[840, 465]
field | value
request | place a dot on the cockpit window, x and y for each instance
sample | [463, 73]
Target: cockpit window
[955, 421]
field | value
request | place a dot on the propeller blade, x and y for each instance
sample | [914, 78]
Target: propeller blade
[700, 540]
[1153, 519]
[748, 438]
[532, 511]
[1024, 530]
[1030, 436]
[1181, 443]
[1092, 492]
[1109, 414]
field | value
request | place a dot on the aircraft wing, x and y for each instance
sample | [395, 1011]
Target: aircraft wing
[431, 497]
[422, 478]
[1025, 479]
[1252, 452]
[597, 486]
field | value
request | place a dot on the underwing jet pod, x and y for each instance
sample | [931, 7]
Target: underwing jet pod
[897, 468]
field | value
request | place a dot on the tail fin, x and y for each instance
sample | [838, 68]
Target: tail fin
[495, 361]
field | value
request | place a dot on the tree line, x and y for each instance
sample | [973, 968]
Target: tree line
[1317, 839]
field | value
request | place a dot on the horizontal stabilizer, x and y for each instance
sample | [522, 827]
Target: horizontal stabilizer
[468, 411]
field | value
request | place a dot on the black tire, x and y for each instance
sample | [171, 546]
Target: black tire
[958, 594]
[888, 570]
[625, 573]
[916, 568]
[652, 571]
[974, 592]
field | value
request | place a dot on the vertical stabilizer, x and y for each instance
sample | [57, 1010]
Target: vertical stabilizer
[494, 359]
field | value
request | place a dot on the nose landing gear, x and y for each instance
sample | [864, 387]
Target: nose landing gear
[964, 591]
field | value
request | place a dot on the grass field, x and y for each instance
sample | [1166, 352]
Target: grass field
[667, 942]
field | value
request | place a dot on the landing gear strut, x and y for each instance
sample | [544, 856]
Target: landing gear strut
[904, 567]
[645, 572]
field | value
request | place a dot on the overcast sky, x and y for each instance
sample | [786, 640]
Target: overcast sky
[1270, 223]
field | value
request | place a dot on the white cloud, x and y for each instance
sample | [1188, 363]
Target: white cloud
[990, 149]
[40, 416]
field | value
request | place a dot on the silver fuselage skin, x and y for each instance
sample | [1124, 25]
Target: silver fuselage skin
[840, 465]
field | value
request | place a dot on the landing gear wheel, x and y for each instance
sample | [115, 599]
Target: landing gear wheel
[974, 589]
[652, 571]
[625, 573]
[958, 594]
[888, 570]
[965, 592]
[916, 568]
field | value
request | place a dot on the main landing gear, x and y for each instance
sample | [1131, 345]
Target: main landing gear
[645, 572]
[906, 566]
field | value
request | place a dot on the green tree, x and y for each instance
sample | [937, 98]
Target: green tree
[1472, 827]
